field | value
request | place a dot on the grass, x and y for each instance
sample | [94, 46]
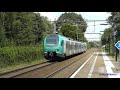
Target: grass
[15, 55]
[14, 67]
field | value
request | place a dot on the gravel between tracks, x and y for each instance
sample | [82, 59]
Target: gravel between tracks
[23, 70]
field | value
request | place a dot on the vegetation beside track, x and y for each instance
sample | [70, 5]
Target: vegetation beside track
[22, 65]
[15, 55]
[22, 32]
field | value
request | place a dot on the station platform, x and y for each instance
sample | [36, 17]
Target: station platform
[98, 65]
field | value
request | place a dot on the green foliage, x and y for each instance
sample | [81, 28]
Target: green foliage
[2, 31]
[93, 44]
[20, 54]
[88, 45]
[107, 39]
[21, 37]
[23, 28]
[114, 20]
[107, 36]
[69, 28]
[39, 28]
[48, 27]
[73, 17]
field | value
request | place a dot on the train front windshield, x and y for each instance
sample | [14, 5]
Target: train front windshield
[52, 40]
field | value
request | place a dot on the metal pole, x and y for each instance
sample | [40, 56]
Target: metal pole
[54, 27]
[109, 42]
[113, 46]
[94, 26]
[119, 55]
[116, 49]
[77, 36]
[100, 40]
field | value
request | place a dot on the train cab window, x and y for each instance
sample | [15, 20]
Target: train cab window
[52, 40]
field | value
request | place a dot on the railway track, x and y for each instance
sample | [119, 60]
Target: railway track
[42, 70]
[20, 71]
[66, 66]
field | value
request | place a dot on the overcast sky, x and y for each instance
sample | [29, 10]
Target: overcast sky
[87, 16]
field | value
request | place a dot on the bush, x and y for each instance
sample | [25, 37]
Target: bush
[19, 54]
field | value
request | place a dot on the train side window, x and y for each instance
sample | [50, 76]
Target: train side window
[67, 45]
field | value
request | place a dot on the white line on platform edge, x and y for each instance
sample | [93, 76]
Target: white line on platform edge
[73, 75]
[92, 68]
[109, 65]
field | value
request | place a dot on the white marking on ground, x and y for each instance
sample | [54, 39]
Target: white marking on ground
[92, 68]
[73, 75]
[109, 65]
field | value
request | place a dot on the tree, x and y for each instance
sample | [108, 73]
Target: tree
[42, 27]
[70, 27]
[48, 27]
[114, 20]
[94, 44]
[71, 30]
[23, 28]
[9, 18]
[3, 39]
[107, 36]
[73, 17]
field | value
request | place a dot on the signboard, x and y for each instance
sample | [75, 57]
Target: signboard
[118, 45]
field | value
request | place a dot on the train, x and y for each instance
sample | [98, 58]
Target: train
[56, 45]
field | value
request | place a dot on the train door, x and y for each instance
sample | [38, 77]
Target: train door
[64, 46]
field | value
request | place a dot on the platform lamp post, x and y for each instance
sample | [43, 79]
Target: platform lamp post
[115, 35]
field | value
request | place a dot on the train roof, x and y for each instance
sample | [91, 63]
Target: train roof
[66, 38]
